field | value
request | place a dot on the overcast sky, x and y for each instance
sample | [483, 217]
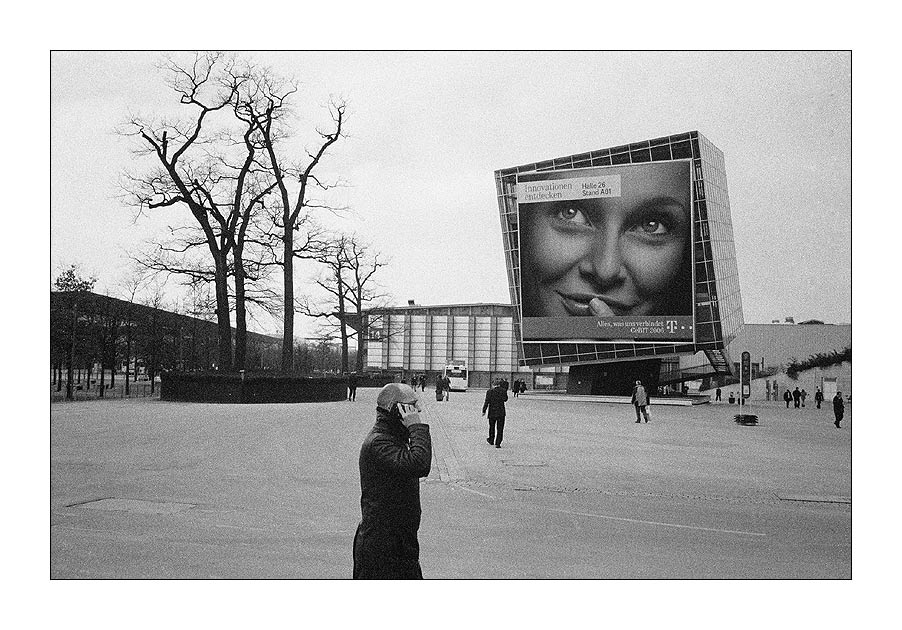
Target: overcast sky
[428, 130]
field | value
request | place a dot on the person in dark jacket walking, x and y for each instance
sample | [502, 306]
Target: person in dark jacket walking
[352, 386]
[494, 404]
[839, 409]
[787, 398]
[796, 397]
[395, 454]
[818, 397]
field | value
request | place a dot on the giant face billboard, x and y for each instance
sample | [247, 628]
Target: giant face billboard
[606, 253]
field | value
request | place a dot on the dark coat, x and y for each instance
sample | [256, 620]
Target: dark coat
[494, 401]
[839, 407]
[392, 460]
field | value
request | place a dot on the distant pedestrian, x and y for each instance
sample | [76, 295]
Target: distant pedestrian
[352, 386]
[776, 397]
[717, 395]
[516, 387]
[796, 398]
[522, 387]
[640, 401]
[818, 397]
[803, 395]
[439, 389]
[787, 397]
[839, 409]
[494, 404]
[446, 386]
[422, 382]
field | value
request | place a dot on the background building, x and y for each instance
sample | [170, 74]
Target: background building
[417, 339]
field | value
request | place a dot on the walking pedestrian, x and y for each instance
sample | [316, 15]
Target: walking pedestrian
[787, 397]
[796, 397]
[717, 395]
[640, 401]
[422, 382]
[803, 395]
[439, 389]
[395, 454]
[494, 404]
[839, 409]
[446, 386]
[818, 397]
[352, 386]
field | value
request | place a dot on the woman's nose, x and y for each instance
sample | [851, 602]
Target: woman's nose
[603, 263]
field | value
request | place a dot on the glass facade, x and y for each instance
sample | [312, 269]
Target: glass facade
[426, 338]
[718, 305]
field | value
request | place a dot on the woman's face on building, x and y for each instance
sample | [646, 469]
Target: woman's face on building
[608, 256]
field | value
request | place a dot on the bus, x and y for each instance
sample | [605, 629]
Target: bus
[459, 376]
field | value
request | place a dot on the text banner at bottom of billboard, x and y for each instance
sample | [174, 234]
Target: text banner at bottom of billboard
[650, 328]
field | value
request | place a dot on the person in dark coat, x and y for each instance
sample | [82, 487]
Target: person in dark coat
[818, 397]
[796, 397]
[717, 395]
[787, 398]
[352, 386]
[494, 404]
[839, 409]
[395, 454]
[439, 389]
[446, 386]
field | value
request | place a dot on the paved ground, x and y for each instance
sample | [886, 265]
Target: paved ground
[149, 489]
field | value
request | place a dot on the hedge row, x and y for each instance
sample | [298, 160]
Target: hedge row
[231, 388]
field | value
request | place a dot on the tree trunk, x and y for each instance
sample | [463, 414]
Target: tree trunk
[222, 315]
[102, 378]
[128, 355]
[71, 358]
[361, 341]
[240, 313]
[288, 281]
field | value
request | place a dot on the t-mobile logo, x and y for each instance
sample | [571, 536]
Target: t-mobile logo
[671, 326]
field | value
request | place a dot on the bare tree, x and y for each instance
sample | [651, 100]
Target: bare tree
[187, 174]
[264, 100]
[129, 288]
[349, 282]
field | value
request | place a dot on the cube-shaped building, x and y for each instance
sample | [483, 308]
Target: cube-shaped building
[620, 261]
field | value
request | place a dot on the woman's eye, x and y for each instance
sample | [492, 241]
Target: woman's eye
[572, 215]
[654, 226]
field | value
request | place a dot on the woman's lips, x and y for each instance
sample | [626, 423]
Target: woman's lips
[584, 305]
